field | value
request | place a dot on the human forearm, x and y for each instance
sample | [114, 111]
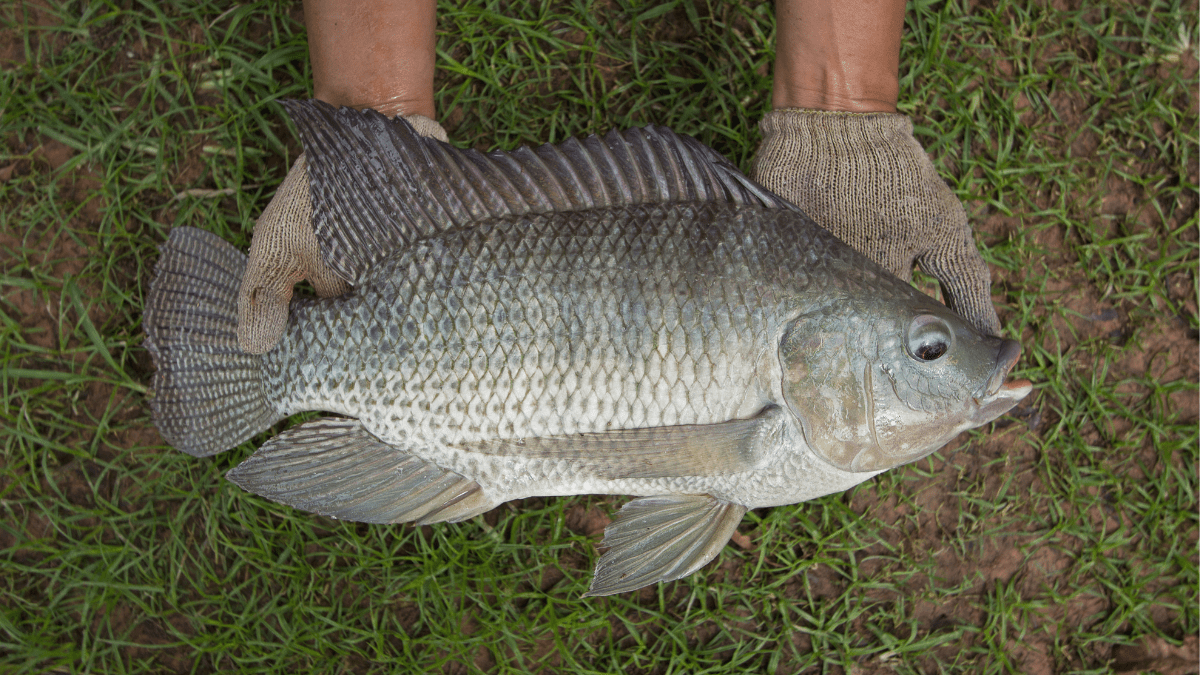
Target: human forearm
[371, 54]
[838, 54]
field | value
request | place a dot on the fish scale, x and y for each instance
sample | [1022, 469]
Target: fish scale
[531, 327]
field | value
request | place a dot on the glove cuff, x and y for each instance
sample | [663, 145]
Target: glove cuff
[427, 127]
[828, 128]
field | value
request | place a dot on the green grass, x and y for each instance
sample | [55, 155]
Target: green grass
[1055, 539]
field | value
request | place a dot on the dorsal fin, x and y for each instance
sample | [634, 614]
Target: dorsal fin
[377, 186]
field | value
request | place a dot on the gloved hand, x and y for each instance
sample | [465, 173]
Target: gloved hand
[284, 251]
[863, 177]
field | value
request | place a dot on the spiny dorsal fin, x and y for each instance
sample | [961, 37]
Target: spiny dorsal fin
[657, 452]
[334, 467]
[662, 538]
[377, 186]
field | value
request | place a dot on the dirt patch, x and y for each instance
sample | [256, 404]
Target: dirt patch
[158, 640]
[40, 307]
[589, 521]
[1156, 654]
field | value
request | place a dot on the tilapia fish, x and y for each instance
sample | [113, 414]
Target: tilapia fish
[622, 315]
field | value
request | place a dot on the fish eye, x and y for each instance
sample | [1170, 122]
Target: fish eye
[929, 338]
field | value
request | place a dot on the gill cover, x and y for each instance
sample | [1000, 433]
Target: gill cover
[875, 390]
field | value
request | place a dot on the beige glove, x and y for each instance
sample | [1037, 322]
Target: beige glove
[863, 177]
[284, 251]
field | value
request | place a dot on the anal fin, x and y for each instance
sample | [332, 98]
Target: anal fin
[336, 468]
[662, 538]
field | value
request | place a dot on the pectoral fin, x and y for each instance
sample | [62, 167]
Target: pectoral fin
[662, 538]
[657, 452]
[336, 468]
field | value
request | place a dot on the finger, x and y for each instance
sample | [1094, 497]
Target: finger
[301, 243]
[274, 266]
[263, 306]
[427, 127]
[966, 282]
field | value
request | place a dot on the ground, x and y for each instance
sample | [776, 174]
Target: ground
[1061, 539]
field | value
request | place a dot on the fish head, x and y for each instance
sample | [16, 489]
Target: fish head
[878, 383]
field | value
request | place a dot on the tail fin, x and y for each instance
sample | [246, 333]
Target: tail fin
[208, 393]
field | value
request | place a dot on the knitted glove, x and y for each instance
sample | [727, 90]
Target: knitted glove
[283, 251]
[863, 177]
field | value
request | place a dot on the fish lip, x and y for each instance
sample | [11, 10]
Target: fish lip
[1006, 358]
[1014, 391]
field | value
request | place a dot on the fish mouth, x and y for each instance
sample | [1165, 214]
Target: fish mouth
[997, 396]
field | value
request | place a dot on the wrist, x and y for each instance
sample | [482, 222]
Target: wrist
[830, 88]
[360, 97]
[819, 124]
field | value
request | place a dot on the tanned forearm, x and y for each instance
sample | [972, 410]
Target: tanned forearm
[372, 54]
[838, 54]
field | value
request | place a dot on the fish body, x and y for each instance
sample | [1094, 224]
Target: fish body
[514, 333]
[542, 326]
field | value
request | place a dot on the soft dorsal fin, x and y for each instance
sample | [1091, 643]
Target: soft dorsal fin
[377, 186]
[658, 452]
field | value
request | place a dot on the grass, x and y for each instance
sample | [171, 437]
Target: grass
[1059, 541]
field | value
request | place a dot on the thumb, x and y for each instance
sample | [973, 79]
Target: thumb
[274, 266]
[263, 304]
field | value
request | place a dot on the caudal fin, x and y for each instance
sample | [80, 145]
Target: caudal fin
[208, 393]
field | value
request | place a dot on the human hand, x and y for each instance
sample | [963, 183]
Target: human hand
[863, 177]
[284, 251]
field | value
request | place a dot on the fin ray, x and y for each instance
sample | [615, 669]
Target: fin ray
[208, 394]
[662, 538]
[370, 199]
[336, 468]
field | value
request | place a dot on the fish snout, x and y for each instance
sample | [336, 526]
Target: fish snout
[998, 396]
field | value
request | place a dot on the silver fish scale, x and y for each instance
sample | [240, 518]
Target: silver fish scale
[558, 324]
